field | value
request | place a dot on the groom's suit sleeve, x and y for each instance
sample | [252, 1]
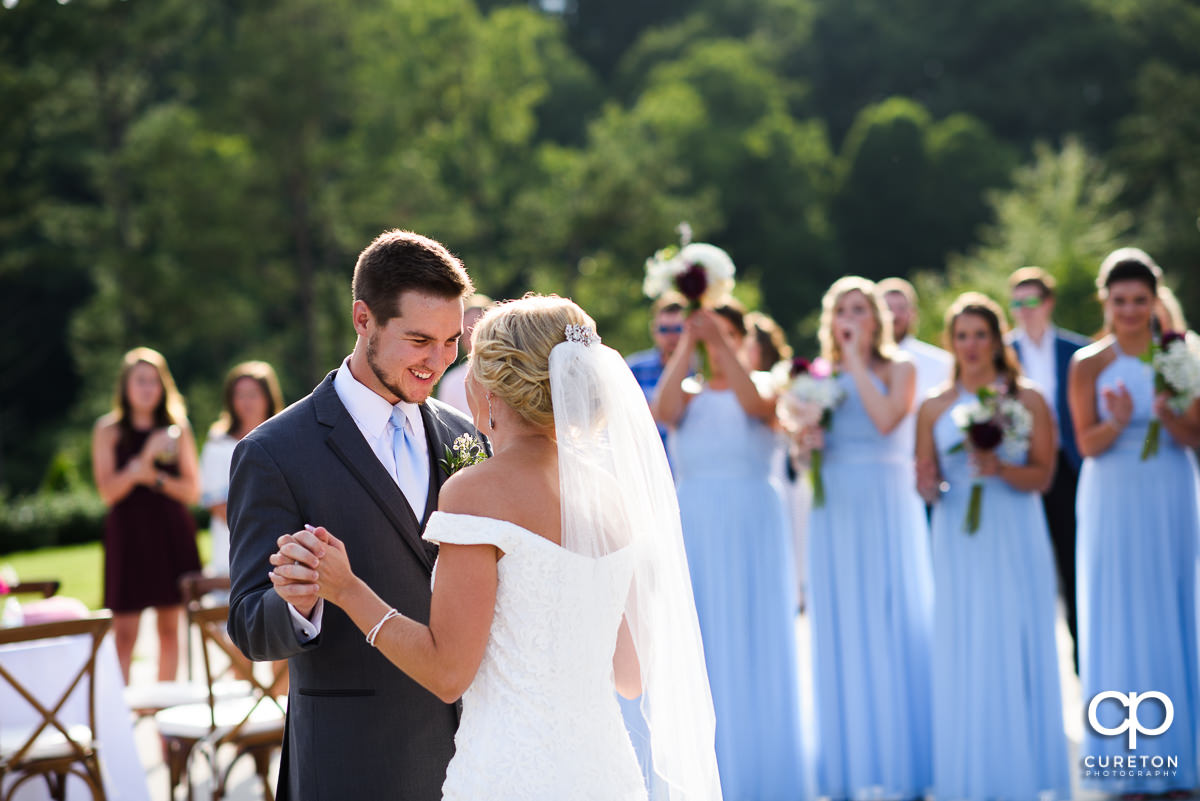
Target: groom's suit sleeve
[261, 508]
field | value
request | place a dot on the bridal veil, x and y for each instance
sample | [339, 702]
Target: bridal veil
[617, 492]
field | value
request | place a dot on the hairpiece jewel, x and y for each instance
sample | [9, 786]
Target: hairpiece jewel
[584, 334]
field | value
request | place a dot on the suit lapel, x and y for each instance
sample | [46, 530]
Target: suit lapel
[347, 442]
[438, 437]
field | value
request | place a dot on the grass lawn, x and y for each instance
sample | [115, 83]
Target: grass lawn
[80, 568]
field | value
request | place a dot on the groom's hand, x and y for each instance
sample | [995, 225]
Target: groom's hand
[336, 577]
[295, 574]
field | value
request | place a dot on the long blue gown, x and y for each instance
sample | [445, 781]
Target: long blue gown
[998, 723]
[1137, 527]
[870, 591]
[739, 554]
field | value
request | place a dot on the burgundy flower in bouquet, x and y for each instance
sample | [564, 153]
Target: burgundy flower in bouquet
[700, 272]
[991, 422]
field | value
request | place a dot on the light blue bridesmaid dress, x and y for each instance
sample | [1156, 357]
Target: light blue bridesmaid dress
[1137, 527]
[870, 589]
[998, 722]
[739, 553]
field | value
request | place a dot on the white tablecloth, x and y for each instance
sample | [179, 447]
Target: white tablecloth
[47, 667]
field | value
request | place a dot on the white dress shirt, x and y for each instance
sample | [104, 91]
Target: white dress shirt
[934, 366]
[373, 415]
[215, 460]
[1038, 363]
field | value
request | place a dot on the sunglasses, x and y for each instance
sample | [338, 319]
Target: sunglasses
[669, 329]
[1026, 303]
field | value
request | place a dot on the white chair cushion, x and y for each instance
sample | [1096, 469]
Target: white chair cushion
[50, 744]
[194, 721]
[163, 694]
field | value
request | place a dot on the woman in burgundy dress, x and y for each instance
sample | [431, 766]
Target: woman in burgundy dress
[145, 466]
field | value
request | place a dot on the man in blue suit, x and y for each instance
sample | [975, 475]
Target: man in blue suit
[1045, 354]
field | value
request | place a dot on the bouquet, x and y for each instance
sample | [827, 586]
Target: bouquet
[808, 396]
[992, 422]
[701, 272]
[1176, 372]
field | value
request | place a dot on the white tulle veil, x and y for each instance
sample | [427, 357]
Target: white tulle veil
[617, 492]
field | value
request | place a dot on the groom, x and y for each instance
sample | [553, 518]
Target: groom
[359, 456]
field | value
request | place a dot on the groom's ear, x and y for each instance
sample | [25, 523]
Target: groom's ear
[362, 318]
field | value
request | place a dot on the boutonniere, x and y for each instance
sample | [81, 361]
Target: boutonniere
[466, 451]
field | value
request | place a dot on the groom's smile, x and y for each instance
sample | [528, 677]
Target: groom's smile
[408, 354]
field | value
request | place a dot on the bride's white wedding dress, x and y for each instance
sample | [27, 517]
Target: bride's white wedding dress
[541, 720]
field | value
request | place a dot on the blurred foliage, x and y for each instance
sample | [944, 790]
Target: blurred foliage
[47, 519]
[1063, 214]
[56, 517]
[199, 177]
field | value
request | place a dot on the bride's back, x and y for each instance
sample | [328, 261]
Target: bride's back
[518, 485]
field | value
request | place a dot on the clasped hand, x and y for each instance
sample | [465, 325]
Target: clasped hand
[308, 565]
[985, 463]
[1118, 402]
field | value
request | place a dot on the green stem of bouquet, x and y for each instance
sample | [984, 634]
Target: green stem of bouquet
[702, 371]
[974, 508]
[1150, 444]
[818, 483]
[702, 361]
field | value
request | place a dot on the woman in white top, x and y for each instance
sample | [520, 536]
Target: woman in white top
[250, 397]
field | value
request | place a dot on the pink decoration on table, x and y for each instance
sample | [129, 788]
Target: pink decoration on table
[52, 610]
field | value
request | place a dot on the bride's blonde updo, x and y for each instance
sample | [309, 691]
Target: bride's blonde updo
[510, 351]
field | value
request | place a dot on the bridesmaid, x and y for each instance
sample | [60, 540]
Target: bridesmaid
[997, 707]
[870, 588]
[144, 465]
[1138, 524]
[723, 446]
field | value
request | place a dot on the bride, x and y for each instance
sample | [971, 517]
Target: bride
[561, 575]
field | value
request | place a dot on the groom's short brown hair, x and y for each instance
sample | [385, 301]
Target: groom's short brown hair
[397, 261]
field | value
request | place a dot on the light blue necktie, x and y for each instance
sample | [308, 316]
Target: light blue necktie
[411, 474]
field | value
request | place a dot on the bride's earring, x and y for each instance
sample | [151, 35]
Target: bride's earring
[491, 420]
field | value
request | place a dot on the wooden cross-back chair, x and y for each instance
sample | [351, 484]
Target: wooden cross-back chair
[147, 699]
[46, 589]
[252, 723]
[51, 748]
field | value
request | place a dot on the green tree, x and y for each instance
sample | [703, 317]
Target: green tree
[1063, 214]
[1159, 151]
[911, 189]
[769, 171]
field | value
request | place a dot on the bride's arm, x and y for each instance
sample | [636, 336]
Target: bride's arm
[442, 657]
[627, 671]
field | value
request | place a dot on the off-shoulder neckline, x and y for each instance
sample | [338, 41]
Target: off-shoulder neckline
[551, 543]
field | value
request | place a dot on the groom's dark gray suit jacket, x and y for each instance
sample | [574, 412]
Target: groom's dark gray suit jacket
[357, 727]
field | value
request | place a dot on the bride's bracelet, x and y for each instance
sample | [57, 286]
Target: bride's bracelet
[374, 632]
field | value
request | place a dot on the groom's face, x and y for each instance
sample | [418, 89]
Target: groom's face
[409, 353]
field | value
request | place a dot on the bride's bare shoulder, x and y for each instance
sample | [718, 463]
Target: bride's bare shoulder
[513, 489]
[475, 490]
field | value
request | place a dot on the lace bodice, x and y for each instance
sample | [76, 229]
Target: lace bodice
[541, 720]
